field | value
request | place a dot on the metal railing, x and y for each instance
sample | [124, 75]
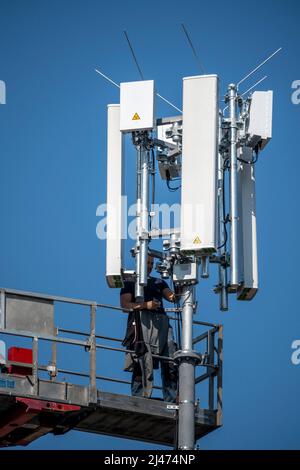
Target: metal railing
[211, 359]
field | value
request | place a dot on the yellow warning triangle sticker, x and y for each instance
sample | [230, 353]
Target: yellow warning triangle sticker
[136, 117]
[197, 241]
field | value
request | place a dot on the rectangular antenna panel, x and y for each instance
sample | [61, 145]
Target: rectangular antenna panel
[247, 232]
[199, 164]
[137, 106]
[115, 174]
[260, 119]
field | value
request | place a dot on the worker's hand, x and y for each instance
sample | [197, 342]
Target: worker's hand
[152, 305]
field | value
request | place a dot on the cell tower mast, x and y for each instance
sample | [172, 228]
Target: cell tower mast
[200, 146]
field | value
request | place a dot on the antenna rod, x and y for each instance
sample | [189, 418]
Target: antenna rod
[193, 49]
[258, 67]
[251, 88]
[173, 105]
[255, 84]
[133, 55]
[107, 78]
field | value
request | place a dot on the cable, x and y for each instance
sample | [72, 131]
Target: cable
[153, 177]
[256, 150]
[253, 161]
[152, 186]
[185, 300]
[225, 217]
[168, 182]
[178, 320]
[172, 190]
[226, 166]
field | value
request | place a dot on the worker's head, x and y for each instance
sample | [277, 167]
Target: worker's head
[150, 262]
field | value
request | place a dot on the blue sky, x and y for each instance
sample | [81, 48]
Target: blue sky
[53, 171]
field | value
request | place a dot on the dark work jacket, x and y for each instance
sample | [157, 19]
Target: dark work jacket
[153, 291]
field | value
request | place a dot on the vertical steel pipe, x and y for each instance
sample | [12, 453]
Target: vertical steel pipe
[221, 226]
[232, 95]
[139, 292]
[144, 220]
[186, 421]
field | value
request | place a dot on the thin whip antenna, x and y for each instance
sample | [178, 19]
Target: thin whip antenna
[107, 78]
[192, 47]
[255, 84]
[157, 94]
[133, 55]
[169, 102]
[258, 67]
[251, 88]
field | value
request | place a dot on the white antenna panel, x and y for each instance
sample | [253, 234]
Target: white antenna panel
[260, 119]
[137, 106]
[115, 175]
[199, 164]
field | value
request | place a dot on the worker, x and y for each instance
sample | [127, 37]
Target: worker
[149, 332]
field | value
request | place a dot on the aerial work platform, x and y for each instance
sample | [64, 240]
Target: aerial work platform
[24, 420]
[32, 406]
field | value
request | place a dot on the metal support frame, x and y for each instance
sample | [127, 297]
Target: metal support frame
[220, 376]
[221, 227]
[35, 345]
[142, 215]
[138, 288]
[143, 235]
[92, 385]
[234, 263]
[53, 370]
[211, 358]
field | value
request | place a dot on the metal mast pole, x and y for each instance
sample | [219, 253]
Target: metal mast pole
[142, 217]
[187, 360]
[144, 234]
[232, 95]
[221, 222]
[138, 289]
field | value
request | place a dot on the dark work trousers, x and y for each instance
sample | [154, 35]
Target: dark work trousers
[158, 337]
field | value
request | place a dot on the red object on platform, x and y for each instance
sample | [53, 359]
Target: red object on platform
[23, 355]
[20, 355]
